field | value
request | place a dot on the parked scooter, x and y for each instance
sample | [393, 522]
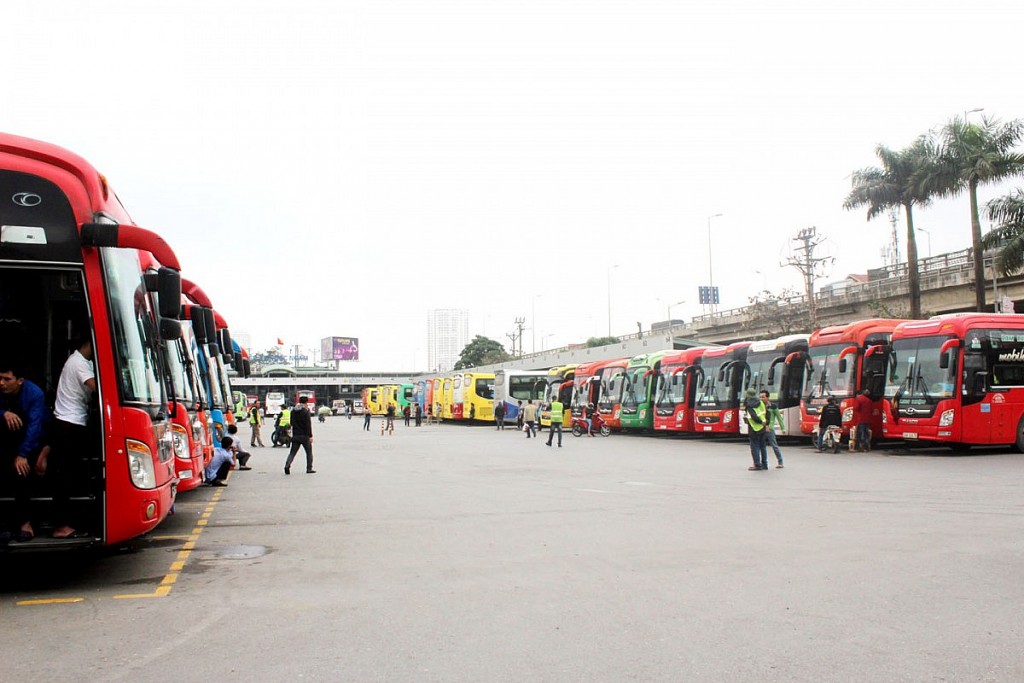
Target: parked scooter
[281, 436]
[579, 426]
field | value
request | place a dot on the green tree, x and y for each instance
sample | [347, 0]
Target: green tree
[774, 315]
[891, 186]
[481, 351]
[1008, 234]
[601, 341]
[966, 155]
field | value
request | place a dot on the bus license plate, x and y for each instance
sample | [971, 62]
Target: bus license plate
[707, 429]
[909, 435]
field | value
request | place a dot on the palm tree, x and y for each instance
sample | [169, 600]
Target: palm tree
[1008, 235]
[890, 187]
[965, 156]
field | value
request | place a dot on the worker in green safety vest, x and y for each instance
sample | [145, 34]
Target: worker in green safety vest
[556, 421]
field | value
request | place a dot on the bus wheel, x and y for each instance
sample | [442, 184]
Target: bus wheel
[1020, 436]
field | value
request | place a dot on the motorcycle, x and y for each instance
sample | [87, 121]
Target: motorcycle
[579, 426]
[833, 438]
[281, 436]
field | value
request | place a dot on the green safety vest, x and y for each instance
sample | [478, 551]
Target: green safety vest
[762, 414]
[286, 418]
[556, 412]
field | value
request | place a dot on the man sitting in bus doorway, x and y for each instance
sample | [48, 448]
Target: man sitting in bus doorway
[830, 416]
[23, 422]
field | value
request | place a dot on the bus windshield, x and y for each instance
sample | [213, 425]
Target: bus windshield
[634, 391]
[671, 387]
[611, 388]
[915, 377]
[760, 365]
[132, 327]
[526, 387]
[179, 367]
[715, 393]
[824, 378]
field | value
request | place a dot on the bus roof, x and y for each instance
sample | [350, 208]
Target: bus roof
[739, 348]
[784, 343]
[956, 324]
[856, 332]
[648, 358]
[686, 356]
[594, 367]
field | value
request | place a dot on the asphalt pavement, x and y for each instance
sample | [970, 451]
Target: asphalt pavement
[459, 553]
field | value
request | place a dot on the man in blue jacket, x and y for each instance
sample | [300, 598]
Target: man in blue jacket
[23, 420]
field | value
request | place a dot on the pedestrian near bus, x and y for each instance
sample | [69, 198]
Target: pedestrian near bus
[519, 416]
[863, 411]
[499, 415]
[366, 418]
[756, 416]
[406, 414]
[774, 417]
[302, 435]
[255, 423]
[419, 414]
[530, 418]
[556, 421]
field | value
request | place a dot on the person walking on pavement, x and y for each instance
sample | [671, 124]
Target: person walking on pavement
[255, 423]
[418, 413]
[774, 417]
[519, 416]
[499, 415]
[530, 417]
[556, 421]
[863, 411]
[366, 418]
[302, 435]
[756, 416]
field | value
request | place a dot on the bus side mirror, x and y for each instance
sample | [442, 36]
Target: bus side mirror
[944, 361]
[210, 324]
[238, 362]
[771, 375]
[169, 291]
[170, 329]
[842, 366]
[246, 368]
[721, 374]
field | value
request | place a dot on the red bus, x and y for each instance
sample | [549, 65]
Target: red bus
[958, 380]
[587, 383]
[677, 390]
[69, 268]
[717, 401]
[844, 359]
[612, 378]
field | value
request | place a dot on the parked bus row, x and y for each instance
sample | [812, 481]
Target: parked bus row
[954, 379]
[74, 268]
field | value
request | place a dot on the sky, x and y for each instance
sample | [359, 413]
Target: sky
[333, 168]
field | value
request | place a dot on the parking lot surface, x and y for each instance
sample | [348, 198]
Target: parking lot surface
[456, 553]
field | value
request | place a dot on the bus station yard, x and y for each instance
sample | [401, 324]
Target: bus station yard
[461, 553]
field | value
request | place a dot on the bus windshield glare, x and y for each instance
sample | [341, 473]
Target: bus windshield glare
[824, 378]
[915, 377]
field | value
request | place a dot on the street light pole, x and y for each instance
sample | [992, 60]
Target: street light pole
[610, 268]
[711, 272]
[533, 324]
[929, 236]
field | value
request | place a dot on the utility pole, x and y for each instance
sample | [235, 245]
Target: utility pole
[519, 325]
[811, 268]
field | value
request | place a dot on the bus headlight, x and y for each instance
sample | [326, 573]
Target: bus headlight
[946, 419]
[728, 417]
[140, 464]
[179, 440]
[197, 430]
[848, 415]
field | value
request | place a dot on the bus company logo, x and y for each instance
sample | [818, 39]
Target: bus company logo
[28, 199]
[1016, 356]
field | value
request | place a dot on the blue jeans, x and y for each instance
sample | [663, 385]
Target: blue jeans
[555, 427]
[862, 437]
[758, 448]
[771, 439]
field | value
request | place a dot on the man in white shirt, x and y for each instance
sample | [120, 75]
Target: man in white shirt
[69, 435]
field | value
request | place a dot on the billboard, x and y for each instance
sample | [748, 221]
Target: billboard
[339, 348]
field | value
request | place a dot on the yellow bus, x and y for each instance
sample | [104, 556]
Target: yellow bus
[478, 396]
[371, 400]
[446, 398]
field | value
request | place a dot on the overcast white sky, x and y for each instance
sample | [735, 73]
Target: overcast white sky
[338, 168]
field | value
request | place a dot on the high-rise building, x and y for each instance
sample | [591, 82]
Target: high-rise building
[447, 335]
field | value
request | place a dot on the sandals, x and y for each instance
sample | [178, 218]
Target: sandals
[779, 466]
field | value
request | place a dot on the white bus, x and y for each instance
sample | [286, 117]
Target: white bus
[274, 402]
[513, 386]
[778, 366]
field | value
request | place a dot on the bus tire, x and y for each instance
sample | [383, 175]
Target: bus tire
[1019, 444]
[577, 430]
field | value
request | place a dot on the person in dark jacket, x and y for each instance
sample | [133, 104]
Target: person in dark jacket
[830, 416]
[23, 421]
[302, 435]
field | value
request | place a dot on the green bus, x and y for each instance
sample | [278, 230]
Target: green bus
[638, 390]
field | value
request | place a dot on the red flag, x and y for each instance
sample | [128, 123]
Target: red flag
[279, 342]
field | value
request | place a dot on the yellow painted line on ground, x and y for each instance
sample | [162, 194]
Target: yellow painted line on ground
[169, 580]
[189, 545]
[201, 522]
[177, 566]
[176, 537]
[50, 601]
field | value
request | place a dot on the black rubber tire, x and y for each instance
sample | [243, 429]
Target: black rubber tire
[577, 430]
[606, 430]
